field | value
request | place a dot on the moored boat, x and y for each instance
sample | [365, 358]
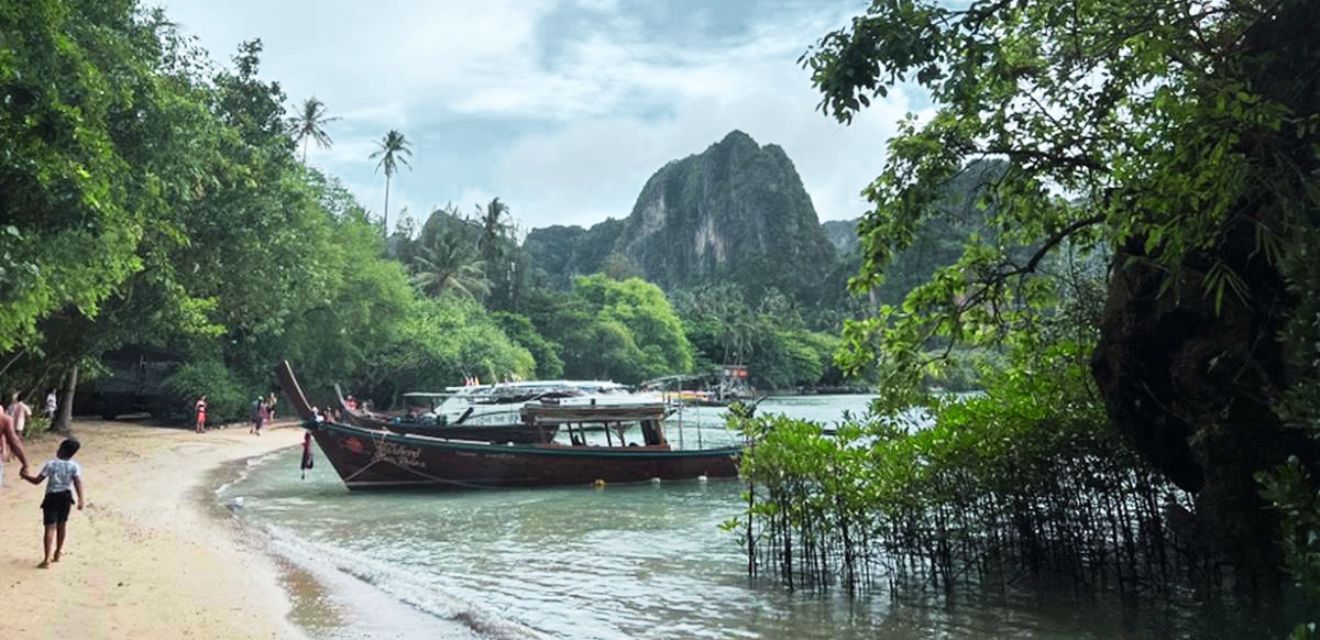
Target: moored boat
[717, 388]
[517, 432]
[368, 458]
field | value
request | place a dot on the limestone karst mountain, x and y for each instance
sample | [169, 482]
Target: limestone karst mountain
[736, 212]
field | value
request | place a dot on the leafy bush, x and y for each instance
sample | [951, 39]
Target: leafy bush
[625, 330]
[440, 342]
[37, 423]
[519, 328]
[226, 398]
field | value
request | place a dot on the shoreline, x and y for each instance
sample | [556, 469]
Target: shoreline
[302, 590]
[145, 557]
[335, 594]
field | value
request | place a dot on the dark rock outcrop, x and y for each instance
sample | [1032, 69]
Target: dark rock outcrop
[736, 212]
[842, 234]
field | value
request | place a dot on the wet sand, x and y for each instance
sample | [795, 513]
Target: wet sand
[147, 557]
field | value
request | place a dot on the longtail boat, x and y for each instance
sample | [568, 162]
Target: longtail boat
[517, 433]
[367, 458]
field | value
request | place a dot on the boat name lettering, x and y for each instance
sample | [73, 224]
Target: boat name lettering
[402, 455]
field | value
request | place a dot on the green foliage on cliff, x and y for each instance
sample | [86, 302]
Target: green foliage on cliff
[560, 254]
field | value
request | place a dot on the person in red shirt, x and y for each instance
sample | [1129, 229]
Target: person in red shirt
[200, 408]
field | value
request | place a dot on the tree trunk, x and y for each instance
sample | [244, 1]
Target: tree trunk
[64, 415]
[386, 221]
[1193, 392]
[1197, 389]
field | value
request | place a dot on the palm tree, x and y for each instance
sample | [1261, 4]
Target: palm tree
[447, 263]
[392, 150]
[493, 226]
[493, 230]
[310, 125]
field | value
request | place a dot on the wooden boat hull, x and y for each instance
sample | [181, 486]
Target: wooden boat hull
[375, 459]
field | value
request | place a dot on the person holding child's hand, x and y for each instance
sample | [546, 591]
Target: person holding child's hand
[8, 434]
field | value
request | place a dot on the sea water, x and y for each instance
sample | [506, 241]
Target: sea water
[628, 561]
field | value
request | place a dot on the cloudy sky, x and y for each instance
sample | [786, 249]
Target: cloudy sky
[562, 108]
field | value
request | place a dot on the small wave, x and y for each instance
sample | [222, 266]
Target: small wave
[396, 583]
[245, 469]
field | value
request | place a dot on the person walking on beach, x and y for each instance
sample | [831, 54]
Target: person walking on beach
[200, 408]
[7, 436]
[52, 403]
[18, 413]
[258, 415]
[63, 476]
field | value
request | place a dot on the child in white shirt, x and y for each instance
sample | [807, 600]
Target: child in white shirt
[63, 476]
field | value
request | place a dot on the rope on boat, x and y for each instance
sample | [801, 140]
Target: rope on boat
[378, 439]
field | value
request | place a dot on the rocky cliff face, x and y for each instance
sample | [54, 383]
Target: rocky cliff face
[842, 234]
[560, 253]
[736, 212]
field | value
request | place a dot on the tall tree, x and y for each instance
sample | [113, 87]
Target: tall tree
[309, 125]
[495, 245]
[392, 150]
[1184, 136]
[74, 91]
[493, 226]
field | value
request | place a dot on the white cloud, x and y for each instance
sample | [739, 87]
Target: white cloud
[564, 123]
[594, 166]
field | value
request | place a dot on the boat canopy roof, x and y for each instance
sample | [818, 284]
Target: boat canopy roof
[554, 413]
[428, 394]
[665, 381]
[533, 384]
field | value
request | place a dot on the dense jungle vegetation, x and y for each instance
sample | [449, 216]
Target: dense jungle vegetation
[1151, 416]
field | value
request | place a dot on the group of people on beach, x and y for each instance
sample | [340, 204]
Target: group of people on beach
[63, 477]
[263, 413]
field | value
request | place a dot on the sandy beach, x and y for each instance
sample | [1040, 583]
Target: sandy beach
[147, 558]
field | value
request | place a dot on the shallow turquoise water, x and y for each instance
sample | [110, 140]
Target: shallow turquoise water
[638, 561]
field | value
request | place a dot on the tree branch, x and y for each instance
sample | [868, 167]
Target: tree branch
[1054, 157]
[1054, 240]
